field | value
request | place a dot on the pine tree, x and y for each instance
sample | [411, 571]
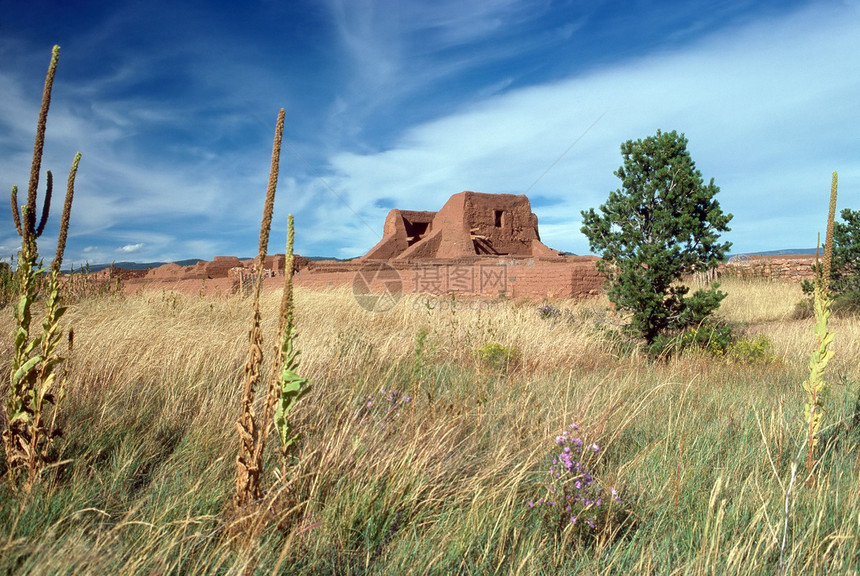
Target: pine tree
[663, 224]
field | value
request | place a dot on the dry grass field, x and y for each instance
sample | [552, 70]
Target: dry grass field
[427, 433]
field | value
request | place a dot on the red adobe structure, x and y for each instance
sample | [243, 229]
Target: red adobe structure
[477, 244]
[469, 224]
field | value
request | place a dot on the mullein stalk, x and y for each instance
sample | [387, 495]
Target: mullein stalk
[252, 437]
[67, 212]
[287, 386]
[815, 386]
[39, 144]
[36, 381]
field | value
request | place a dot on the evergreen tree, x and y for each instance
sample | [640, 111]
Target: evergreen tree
[664, 224]
[845, 268]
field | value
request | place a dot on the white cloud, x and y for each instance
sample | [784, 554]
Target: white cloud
[131, 248]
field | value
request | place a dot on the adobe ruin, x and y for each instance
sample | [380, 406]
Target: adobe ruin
[469, 224]
[476, 244]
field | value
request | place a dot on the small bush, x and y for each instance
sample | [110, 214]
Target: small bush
[846, 303]
[712, 336]
[803, 310]
[498, 356]
[717, 339]
[550, 312]
[759, 349]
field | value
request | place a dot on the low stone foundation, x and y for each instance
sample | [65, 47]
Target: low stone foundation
[533, 277]
[512, 277]
[791, 268]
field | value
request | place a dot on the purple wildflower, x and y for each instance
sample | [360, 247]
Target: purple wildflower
[574, 490]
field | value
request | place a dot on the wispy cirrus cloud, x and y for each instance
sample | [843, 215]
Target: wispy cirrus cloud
[403, 58]
[764, 106]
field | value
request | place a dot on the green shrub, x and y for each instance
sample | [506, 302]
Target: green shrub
[498, 356]
[845, 304]
[711, 336]
[759, 349]
[803, 309]
[718, 339]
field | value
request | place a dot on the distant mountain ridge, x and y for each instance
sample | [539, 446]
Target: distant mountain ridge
[148, 265]
[133, 265]
[787, 252]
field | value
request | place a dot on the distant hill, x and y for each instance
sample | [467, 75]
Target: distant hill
[136, 265]
[189, 262]
[787, 252]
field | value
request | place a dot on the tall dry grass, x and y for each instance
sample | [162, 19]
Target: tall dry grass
[700, 448]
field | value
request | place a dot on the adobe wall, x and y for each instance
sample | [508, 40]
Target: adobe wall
[402, 229]
[791, 268]
[502, 224]
[220, 266]
[513, 277]
[469, 224]
[175, 272]
[532, 277]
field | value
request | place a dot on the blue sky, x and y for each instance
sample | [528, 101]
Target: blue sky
[404, 103]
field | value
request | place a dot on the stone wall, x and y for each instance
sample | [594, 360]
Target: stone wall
[513, 277]
[792, 268]
[532, 277]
